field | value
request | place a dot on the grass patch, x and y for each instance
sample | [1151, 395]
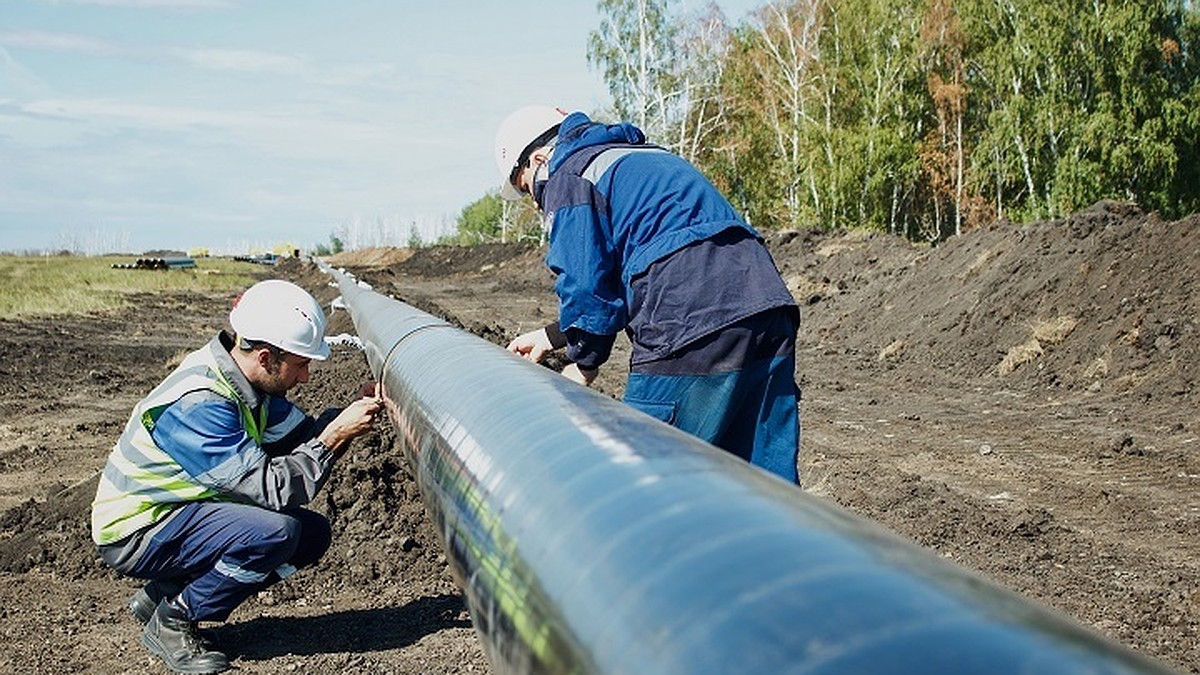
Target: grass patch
[57, 285]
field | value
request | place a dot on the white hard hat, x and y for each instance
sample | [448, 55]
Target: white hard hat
[515, 134]
[284, 315]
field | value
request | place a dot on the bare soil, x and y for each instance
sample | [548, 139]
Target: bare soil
[1020, 400]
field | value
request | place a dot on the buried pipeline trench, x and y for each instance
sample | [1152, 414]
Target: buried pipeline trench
[588, 538]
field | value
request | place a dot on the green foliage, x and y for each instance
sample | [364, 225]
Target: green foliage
[480, 221]
[824, 113]
[493, 219]
[414, 237]
[1083, 101]
[333, 247]
[925, 117]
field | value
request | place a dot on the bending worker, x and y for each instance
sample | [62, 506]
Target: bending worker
[641, 241]
[202, 494]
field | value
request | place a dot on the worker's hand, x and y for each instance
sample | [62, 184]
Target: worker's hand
[354, 420]
[533, 345]
[584, 376]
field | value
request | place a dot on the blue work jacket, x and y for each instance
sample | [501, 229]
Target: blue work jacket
[614, 206]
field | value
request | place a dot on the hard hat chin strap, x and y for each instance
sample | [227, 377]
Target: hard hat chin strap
[537, 188]
[548, 138]
[247, 345]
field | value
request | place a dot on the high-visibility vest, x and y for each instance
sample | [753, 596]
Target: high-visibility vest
[141, 483]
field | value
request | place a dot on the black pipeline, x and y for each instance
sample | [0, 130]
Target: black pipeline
[157, 264]
[588, 538]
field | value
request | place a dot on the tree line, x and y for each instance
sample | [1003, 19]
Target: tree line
[918, 117]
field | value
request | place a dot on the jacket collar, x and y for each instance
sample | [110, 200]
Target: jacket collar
[578, 131]
[220, 346]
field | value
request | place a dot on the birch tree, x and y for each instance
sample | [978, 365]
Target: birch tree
[795, 108]
[882, 109]
[1086, 100]
[702, 48]
[663, 71]
[633, 48]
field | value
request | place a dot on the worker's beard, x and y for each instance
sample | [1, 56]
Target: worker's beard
[272, 382]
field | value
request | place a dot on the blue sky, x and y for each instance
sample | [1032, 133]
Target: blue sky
[131, 125]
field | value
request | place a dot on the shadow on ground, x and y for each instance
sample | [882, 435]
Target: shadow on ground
[374, 630]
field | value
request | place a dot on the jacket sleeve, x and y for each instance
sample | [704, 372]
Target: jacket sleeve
[586, 349]
[204, 434]
[286, 481]
[304, 428]
[587, 268]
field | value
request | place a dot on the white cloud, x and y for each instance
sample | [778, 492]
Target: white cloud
[152, 4]
[132, 114]
[242, 60]
[16, 79]
[57, 42]
[379, 75]
[281, 133]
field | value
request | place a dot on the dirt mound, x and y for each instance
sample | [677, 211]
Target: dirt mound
[1104, 301]
[478, 270]
[439, 261]
[368, 258]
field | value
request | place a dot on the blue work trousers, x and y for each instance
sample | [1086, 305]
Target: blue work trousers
[225, 552]
[735, 389]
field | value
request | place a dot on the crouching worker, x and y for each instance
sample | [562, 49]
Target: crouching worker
[202, 494]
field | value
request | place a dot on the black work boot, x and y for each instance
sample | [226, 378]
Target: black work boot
[143, 603]
[172, 637]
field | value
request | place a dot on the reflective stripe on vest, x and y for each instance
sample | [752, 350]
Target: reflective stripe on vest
[141, 483]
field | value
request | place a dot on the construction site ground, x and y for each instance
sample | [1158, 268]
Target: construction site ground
[1020, 400]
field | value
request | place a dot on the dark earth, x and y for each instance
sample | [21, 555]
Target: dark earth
[1021, 400]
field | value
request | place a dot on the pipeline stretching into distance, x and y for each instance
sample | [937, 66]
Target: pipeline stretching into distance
[589, 538]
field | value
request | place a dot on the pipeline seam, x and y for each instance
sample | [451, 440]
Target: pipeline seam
[387, 358]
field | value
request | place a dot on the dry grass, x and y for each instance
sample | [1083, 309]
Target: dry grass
[1101, 366]
[61, 285]
[1046, 333]
[1054, 331]
[803, 288]
[891, 350]
[981, 261]
[1026, 352]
